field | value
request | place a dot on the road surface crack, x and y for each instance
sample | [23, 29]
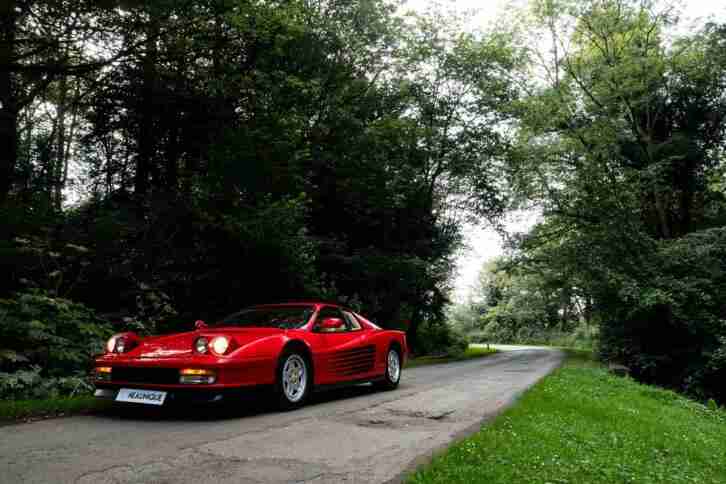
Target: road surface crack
[418, 414]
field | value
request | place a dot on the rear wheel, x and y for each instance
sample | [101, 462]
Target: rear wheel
[294, 380]
[392, 376]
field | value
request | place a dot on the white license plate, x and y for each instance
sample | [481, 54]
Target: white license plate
[148, 397]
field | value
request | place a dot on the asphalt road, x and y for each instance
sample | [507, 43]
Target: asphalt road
[353, 435]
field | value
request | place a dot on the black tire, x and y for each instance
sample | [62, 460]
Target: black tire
[287, 400]
[389, 381]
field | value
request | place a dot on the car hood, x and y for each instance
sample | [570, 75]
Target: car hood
[182, 344]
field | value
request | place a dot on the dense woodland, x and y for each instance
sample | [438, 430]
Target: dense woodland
[166, 161]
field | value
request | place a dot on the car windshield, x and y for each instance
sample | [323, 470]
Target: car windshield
[283, 317]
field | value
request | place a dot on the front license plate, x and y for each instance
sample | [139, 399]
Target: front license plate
[148, 397]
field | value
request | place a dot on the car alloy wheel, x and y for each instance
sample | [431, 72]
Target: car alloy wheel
[393, 371]
[293, 380]
[393, 367]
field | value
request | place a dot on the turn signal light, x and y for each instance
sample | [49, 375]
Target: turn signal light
[196, 371]
[197, 376]
[103, 373]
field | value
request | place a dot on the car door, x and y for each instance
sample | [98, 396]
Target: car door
[344, 353]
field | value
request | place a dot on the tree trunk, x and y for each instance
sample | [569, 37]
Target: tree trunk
[412, 330]
[8, 102]
[171, 182]
[687, 183]
[68, 146]
[662, 204]
[58, 168]
[146, 125]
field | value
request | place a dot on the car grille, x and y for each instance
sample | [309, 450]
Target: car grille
[145, 375]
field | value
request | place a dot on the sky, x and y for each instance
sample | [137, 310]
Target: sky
[483, 243]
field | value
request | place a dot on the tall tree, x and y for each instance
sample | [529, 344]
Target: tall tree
[618, 139]
[8, 97]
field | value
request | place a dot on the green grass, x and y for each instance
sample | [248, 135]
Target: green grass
[13, 410]
[471, 352]
[583, 425]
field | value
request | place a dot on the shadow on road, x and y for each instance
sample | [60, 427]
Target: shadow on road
[239, 406]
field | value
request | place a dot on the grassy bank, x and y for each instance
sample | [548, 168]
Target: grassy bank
[14, 410]
[582, 425]
[471, 352]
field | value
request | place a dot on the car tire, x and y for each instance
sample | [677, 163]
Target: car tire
[294, 380]
[392, 375]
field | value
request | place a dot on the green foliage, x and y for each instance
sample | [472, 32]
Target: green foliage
[673, 331]
[582, 337]
[521, 301]
[582, 424]
[47, 345]
[441, 339]
[183, 261]
[31, 384]
[621, 147]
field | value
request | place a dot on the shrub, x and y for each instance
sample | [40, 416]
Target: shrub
[671, 328]
[30, 384]
[440, 339]
[46, 345]
[497, 330]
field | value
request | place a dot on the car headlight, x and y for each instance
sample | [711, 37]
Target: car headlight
[220, 345]
[120, 345]
[201, 344]
[111, 344]
[122, 342]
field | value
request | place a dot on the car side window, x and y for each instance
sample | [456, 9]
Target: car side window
[331, 312]
[352, 321]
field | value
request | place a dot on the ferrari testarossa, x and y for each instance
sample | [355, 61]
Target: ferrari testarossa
[291, 348]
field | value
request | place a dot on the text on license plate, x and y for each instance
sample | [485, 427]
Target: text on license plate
[149, 397]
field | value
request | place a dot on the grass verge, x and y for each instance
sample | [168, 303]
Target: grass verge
[471, 352]
[14, 410]
[583, 425]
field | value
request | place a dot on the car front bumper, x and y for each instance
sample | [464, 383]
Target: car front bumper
[183, 396]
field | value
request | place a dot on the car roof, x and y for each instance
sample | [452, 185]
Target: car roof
[300, 303]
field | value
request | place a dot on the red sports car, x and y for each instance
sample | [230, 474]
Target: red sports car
[293, 348]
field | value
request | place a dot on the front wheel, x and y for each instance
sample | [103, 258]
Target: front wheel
[294, 380]
[392, 376]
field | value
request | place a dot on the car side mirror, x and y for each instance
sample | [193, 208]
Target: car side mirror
[331, 324]
[199, 324]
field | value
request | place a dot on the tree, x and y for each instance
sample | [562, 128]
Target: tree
[42, 44]
[617, 143]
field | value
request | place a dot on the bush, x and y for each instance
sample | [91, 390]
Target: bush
[499, 328]
[46, 345]
[671, 329]
[30, 384]
[440, 339]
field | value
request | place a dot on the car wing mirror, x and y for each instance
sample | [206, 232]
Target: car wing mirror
[199, 324]
[331, 324]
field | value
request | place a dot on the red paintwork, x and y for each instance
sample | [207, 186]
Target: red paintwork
[255, 352]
